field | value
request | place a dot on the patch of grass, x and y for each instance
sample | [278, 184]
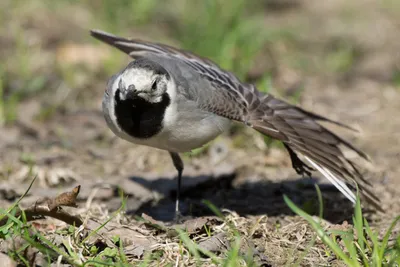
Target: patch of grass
[3, 108]
[222, 31]
[73, 250]
[391, 6]
[359, 246]
[265, 84]
[29, 80]
[233, 257]
[76, 251]
[19, 78]
[198, 151]
[117, 15]
[396, 78]
[8, 104]
[341, 58]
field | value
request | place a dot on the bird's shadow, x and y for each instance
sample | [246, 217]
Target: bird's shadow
[250, 198]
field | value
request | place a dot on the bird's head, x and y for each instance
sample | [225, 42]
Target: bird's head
[141, 79]
[136, 99]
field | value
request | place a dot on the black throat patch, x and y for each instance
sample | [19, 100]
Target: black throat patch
[139, 118]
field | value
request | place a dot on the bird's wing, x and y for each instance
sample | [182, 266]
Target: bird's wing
[232, 89]
[297, 128]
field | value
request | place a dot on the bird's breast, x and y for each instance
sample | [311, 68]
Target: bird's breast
[186, 129]
[172, 126]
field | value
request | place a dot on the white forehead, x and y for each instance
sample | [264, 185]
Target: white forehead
[141, 78]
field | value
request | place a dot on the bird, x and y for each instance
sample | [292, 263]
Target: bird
[174, 100]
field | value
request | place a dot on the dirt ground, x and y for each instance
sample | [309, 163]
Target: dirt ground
[245, 179]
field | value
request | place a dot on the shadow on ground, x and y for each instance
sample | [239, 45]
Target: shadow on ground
[256, 198]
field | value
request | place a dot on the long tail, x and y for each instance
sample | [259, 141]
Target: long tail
[301, 133]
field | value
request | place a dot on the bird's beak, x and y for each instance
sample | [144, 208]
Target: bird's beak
[129, 93]
[132, 94]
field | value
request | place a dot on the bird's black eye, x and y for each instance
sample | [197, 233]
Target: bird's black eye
[154, 85]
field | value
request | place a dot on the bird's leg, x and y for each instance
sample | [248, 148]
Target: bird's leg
[178, 163]
[297, 164]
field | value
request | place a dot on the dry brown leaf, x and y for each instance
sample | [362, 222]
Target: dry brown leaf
[215, 243]
[154, 223]
[133, 242]
[52, 207]
[197, 224]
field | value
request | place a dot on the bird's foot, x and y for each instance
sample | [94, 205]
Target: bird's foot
[301, 168]
[298, 165]
[178, 218]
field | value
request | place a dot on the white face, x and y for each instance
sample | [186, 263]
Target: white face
[140, 82]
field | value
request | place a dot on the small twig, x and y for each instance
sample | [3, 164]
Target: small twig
[52, 207]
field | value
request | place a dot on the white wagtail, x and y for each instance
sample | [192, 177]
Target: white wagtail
[173, 100]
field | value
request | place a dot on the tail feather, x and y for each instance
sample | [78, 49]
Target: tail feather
[343, 188]
[301, 132]
[321, 118]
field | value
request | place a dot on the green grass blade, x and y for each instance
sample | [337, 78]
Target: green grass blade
[358, 223]
[385, 240]
[320, 201]
[214, 209]
[189, 244]
[194, 248]
[233, 257]
[348, 241]
[376, 259]
[122, 207]
[19, 200]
